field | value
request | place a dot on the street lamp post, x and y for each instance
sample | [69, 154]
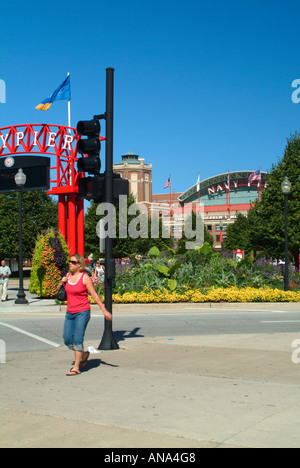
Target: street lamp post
[20, 180]
[286, 188]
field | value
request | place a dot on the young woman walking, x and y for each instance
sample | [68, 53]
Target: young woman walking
[78, 285]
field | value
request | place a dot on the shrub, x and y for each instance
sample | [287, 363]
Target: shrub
[50, 263]
[202, 272]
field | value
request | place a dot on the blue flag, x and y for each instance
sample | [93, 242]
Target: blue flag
[62, 93]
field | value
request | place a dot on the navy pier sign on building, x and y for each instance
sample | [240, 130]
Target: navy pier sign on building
[36, 168]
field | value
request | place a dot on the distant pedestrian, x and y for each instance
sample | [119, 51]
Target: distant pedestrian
[78, 285]
[99, 272]
[4, 277]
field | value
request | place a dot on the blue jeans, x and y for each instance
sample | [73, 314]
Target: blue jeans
[74, 329]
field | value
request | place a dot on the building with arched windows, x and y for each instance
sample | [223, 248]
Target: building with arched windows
[223, 197]
[219, 200]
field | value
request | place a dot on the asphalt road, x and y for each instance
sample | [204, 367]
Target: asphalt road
[34, 333]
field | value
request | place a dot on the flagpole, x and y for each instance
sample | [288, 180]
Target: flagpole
[69, 112]
[199, 192]
[170, 197]
[69, 130]
[229, 191]
[259, 187]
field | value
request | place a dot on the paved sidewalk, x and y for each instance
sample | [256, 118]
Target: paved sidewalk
[34, 302]
[199, 391]
[204, 391]
[37, 305]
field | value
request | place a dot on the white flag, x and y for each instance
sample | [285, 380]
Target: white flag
[198, 182]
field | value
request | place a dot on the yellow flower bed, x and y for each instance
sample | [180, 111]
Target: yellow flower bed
[232, 294]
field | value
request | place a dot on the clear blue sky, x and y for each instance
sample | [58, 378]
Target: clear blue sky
[199, 85]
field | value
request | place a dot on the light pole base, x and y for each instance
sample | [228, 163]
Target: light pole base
[108, 342]
[21, 298]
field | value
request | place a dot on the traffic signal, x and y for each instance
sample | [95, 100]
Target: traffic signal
[92, 188]
[101, 187]
[90, 146]
[120, 187]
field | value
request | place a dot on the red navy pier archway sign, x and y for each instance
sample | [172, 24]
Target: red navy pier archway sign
[61, 143]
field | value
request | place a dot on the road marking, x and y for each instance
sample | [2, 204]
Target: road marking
[35, 337]
[233, 310]
[281, 321]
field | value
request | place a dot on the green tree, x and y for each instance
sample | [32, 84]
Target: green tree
[266, 218]
[238, 235]
[124, 246]
[39, 214]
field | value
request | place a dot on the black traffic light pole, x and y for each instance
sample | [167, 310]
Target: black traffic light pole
[108, 340]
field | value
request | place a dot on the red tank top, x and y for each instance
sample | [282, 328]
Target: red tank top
[77, 296]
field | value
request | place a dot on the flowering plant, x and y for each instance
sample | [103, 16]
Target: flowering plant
[232, 294]
[50, 263]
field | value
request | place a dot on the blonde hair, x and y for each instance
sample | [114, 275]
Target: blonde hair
[80, 260]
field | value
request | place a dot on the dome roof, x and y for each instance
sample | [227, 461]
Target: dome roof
[129, 158]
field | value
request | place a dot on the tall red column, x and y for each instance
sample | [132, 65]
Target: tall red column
[72, 224]
[80, 226]
[62, 227]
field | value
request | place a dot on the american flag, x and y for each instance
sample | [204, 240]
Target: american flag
[168, 184]
[255, 176]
